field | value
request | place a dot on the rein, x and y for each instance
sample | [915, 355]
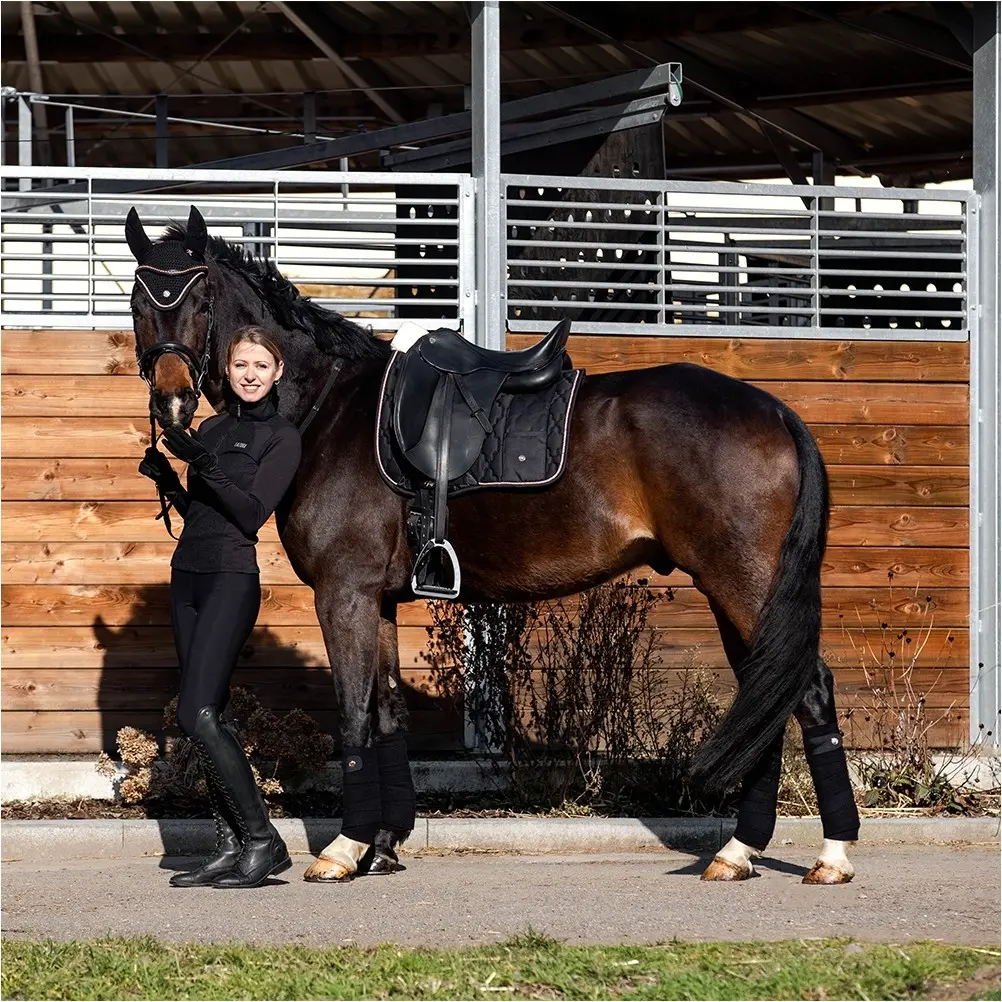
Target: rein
[328, 386]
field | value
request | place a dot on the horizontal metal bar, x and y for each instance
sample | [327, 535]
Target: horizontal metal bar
[654, 208]
[902, 235]
[736, 188]
[258, 178]
[742, 331]
[909, 313]
[898, 255]
[564, 284]
[77, 297]
[856, 273]
[562, 224]
[886, 293]
[716, 217]
[614, 264]
[604, 246]
[123, 321]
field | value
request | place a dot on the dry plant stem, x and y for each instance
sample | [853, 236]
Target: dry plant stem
[572, 696]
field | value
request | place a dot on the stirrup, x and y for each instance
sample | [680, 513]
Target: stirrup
[430, 589]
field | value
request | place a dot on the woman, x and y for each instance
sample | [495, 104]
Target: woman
[240, 465]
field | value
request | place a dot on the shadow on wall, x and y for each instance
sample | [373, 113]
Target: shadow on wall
[284, 667]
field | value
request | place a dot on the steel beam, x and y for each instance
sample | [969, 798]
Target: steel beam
[491, 292]
[519, 136]
[305, 19]
[731, 92]
[986, 373]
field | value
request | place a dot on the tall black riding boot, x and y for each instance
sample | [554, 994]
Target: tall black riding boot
[224, 856]
[262, 851]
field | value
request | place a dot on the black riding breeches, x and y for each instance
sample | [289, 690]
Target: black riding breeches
[212, 615]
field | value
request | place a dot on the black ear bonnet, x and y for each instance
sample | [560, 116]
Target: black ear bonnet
[169, 269]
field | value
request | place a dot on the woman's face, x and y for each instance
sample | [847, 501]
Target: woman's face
[252, 371]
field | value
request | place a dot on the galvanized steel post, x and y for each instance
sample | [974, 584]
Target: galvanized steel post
[491, 292]
[986, 352]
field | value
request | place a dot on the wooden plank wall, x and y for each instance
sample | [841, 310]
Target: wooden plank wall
[86, 627]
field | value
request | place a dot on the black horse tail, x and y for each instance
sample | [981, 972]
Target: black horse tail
[784, 650]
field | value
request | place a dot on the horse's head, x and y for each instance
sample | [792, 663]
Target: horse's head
[172, 316]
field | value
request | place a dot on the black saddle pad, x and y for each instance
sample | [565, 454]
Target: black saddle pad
[526, 447]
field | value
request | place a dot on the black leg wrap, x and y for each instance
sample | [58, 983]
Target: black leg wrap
[396, 785]
[363, 813]
[757, 811]
[826, 758]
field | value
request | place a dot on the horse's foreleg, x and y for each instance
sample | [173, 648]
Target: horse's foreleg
[396, 786]
[826, 757]
[351, 625]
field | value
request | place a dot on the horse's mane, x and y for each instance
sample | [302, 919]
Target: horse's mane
[331, 332]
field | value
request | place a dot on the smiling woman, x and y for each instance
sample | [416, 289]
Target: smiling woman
[240, 465]
[254, 363]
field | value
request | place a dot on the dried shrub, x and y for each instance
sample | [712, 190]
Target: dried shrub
[894, 717]
[284, 749]
[571, 701]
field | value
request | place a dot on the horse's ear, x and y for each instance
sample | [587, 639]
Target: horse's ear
[196, 236]
[139, 242]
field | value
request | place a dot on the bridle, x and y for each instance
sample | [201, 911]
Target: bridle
[179, 282]
[173, 285]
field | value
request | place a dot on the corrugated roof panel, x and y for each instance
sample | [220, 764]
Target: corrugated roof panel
[763, 58]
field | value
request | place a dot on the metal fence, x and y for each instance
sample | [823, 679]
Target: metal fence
[378, 247]
[627, 256]
[616, 255]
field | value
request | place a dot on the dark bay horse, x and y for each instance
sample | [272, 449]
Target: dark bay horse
[670, 467]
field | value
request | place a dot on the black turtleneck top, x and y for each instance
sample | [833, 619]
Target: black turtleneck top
[257, 454]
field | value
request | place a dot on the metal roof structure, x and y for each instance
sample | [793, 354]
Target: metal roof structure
[879, 88]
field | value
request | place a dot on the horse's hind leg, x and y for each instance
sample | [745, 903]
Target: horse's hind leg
[759, 791]
[825, 754]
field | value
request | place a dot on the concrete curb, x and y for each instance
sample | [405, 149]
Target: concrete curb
[48, 841]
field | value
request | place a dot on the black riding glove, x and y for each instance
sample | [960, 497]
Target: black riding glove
[156, 466]
[188, 445]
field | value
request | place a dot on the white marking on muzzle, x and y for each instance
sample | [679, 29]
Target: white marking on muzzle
[175, 410]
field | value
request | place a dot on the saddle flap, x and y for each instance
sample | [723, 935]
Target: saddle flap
[462, 434]
[415, 388]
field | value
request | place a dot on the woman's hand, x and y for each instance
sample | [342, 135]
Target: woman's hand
[156, 466]
[188, 445]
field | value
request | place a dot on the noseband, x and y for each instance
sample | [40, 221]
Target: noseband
[167, 289]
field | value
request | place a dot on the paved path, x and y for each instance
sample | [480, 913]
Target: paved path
[899, 894]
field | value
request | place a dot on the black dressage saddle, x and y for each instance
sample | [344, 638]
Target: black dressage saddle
[455, 417]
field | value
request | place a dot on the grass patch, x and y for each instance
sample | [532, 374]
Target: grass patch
[528, 966]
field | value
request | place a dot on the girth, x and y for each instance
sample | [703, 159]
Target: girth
[455, 418]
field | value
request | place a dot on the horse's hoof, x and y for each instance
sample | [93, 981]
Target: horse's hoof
[722, 869]
[825, 873]
[382, 865]
[327, 871]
